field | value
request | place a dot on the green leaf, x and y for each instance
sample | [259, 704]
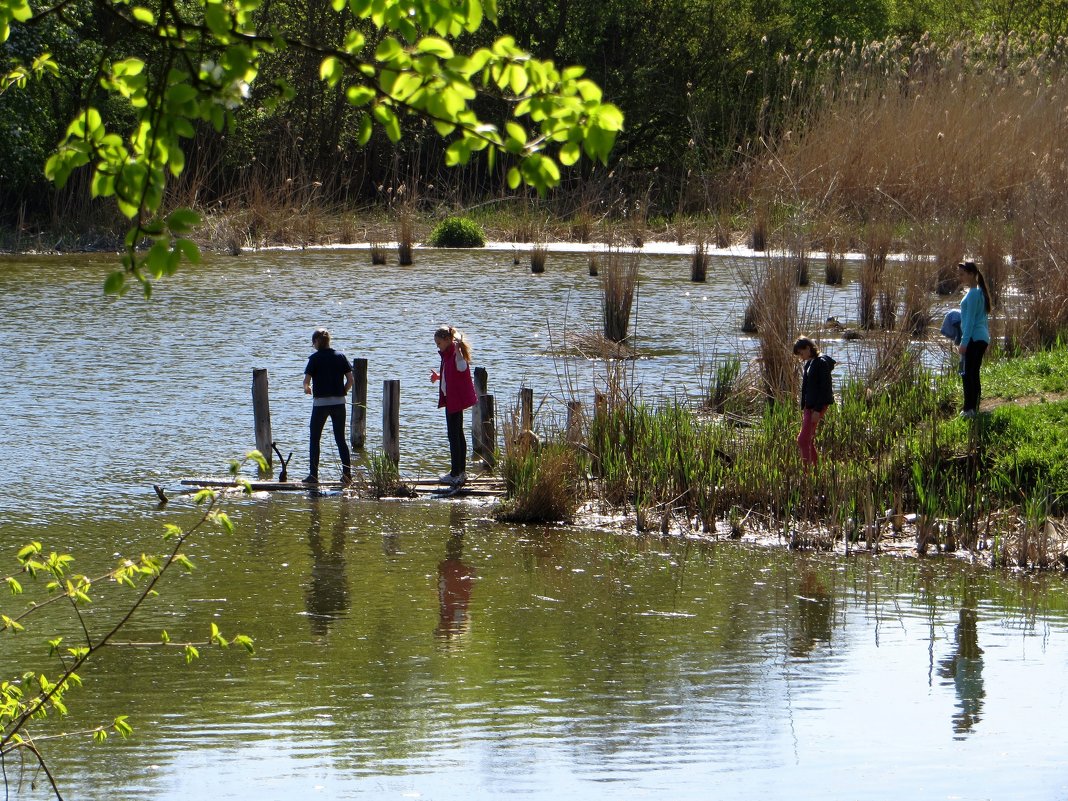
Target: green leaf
[435, 46]
[359, 95]
[191, 653]
[144, 15]
[115, 283]
[182, 221]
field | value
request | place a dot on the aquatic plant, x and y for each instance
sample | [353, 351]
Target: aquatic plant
[618, 286]
[699, 261]
[457, 232]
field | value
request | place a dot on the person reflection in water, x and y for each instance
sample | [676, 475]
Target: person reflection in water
[455, 581]
[327, 594]
[965, 668]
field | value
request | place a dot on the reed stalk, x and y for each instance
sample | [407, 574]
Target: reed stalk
[618, 286]
[699, 261]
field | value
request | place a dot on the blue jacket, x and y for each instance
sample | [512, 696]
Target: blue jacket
[973, 324]
[951, 326]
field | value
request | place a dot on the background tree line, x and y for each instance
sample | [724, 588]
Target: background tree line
[702, 83]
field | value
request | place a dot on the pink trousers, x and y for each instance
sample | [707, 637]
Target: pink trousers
[810, 418]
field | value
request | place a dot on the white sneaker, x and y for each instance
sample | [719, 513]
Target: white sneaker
[448, 478]
[460, 480]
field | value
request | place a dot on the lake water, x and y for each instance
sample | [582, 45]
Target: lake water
[422, 650]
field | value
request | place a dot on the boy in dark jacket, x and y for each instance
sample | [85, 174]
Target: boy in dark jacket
[817, 393]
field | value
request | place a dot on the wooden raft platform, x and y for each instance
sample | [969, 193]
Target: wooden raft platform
[481, 486]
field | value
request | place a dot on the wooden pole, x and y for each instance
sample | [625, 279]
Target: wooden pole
[574, 422]
[261, 413]
[526, 410]
[481, 380]
[488, 443]
[391, 420]
[358, 416]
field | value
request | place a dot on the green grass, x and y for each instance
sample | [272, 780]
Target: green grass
[1009, 378]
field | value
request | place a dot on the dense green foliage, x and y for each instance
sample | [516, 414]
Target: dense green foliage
[457, 232]
[176, 69]
[294, 103]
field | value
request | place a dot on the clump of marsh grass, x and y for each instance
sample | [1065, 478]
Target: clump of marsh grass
[542, 485]
[916, 300]
[405, 239]
[699, 261]
[834, 268]
[539, 252]
[619, 284]
[773, 297]
[378, 253]
[594, 264]
[993, 261]
[887, 300]
[384, 478]
[758, 234]
[724, 383]
[869, 288]
[949, 252]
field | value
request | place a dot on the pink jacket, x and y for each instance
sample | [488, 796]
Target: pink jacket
[456, 391]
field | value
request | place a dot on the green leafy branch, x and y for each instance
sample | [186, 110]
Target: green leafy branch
[211, 51]
[32, 695]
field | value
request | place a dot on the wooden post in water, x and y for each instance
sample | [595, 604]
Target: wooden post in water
[574, 422]
[261, 413]
[358, 416]
[391, 420]
[488, 443]
[526, 410]
[481, 380]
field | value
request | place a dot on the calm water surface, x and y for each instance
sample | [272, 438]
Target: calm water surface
[422, 650]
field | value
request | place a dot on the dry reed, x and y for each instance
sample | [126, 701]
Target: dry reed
[699, 261]
[773, 297]
[618, 285]
[405, 238]
[538, 254]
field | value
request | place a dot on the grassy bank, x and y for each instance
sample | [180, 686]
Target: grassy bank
[896, 462]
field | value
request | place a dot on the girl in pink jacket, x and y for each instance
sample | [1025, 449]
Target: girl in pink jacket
[456, 392]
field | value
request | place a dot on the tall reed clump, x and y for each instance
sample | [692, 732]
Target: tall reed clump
[405, 239]
[916, 299]
[773, 297]
[619, 284]
[834, 268]
[699, 261]
[539, 252]
[993, 261]
[378, 253]
[949, 252]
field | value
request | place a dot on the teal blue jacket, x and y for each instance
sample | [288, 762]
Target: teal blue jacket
[973, 324]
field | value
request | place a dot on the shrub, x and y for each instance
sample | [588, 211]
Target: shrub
[457, 232]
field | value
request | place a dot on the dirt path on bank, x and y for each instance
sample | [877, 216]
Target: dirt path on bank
[989, 404]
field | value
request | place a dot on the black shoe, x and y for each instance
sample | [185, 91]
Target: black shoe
[311, 478]
[346, 477]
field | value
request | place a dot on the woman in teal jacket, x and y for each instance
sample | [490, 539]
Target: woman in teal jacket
[975, 332]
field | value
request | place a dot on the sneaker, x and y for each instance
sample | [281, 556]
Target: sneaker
[311, 478]
[460, 480]
[446, 479]
[346, 477]
[968, 414]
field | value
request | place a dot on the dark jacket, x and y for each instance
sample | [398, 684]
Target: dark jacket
[816, 389]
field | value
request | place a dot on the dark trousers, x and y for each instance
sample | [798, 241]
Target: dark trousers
[454, 422]
[973, 359]
[336, 413]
